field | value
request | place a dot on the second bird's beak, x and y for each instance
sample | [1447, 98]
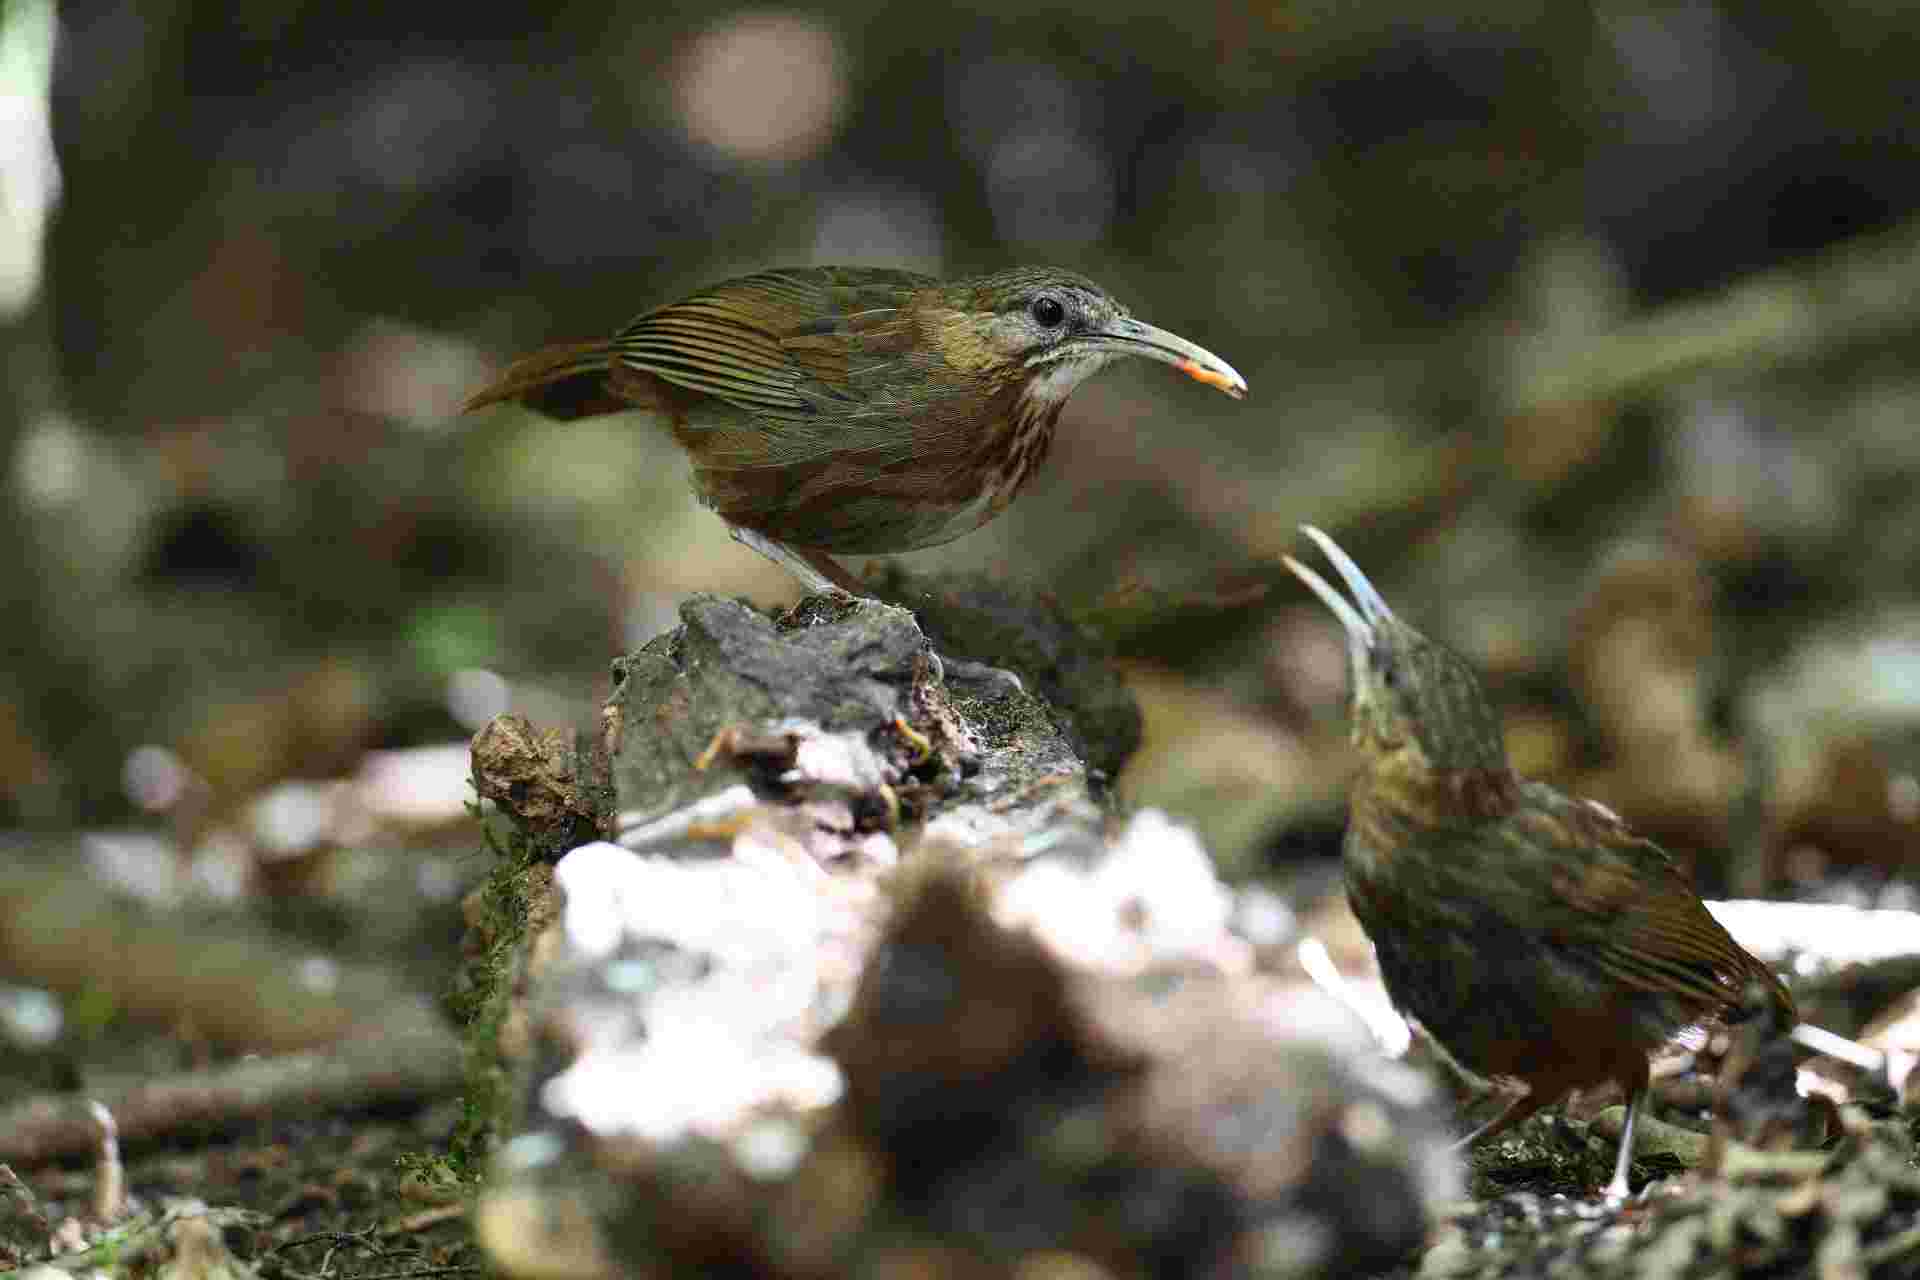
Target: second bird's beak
[1125, 336]
[1362, 624]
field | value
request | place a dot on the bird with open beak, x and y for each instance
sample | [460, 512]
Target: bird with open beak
[1532, 934]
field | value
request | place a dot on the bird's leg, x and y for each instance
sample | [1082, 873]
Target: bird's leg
[1617, 1189]
[1510, 1115]
[816, 570]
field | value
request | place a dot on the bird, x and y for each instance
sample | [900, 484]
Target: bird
[855, 410]
[1531, 933]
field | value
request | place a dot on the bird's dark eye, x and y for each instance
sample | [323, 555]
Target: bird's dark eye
[1048, 311]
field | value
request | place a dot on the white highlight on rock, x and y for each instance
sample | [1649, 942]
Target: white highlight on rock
[714, 1040]
[1151, 899]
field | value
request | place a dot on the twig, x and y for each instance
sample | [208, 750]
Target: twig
[425, 1218]
[109, 1175]
[419, 1063]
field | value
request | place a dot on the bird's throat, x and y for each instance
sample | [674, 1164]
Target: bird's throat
[1036, 410]
[1054, 381]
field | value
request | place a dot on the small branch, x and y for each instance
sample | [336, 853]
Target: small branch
[420, 1063]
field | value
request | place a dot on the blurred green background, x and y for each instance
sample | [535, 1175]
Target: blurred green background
[1589, 330]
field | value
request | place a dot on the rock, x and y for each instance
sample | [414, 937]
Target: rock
[740, 1037]
[978, 1094]
[988, 622]
[1171, 1127]
[536, 777]
[841, 705]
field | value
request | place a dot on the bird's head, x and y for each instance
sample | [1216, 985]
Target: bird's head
[1418, 708]
[1055, 329]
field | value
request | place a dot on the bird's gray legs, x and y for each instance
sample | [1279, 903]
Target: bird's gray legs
[1617, 1190]
[816, 570]
[1510, 1115]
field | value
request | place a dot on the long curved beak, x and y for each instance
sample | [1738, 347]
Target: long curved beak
[1359, 624]
[1126, 336]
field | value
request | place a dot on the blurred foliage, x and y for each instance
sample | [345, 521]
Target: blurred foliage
[1516, 286]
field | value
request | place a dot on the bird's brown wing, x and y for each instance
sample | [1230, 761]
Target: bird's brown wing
[564, 382]
[813, 408]
[785, 346]
[1618, 900]
[798, 357]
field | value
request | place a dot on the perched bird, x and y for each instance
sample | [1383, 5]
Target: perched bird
[856, 410]
[1536, 937]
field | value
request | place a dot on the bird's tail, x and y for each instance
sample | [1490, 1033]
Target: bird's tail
[564, 382]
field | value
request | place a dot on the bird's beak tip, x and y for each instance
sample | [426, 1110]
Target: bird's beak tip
[1221, 379]
[1373, 606]
[1360, 633]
